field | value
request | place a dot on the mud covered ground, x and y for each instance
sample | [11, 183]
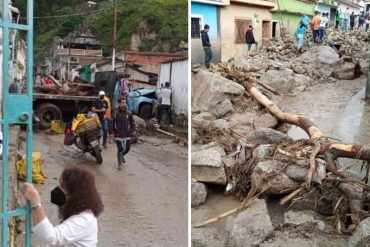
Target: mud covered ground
[145, 203]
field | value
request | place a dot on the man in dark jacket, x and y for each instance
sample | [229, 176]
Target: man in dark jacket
[206, 46]
[249, 39]
[123, 125]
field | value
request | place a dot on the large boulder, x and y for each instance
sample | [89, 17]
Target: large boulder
[209, 89]
[198, 193]
[265, 121]
[278, 182]
[321, 55]
[206, 166]
[207, 237]
[361, 237]
[202, 120]
[250, 64]
[346, 71]
[221, 109]
[219, 124]
[139, 122]
[267, 136]
[251, 226]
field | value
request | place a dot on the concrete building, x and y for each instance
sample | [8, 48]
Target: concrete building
[235, 19]
[175, 71]
[287, 13]
[354, 6]
[206, 12]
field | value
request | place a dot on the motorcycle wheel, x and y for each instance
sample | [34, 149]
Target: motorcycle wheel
[97, 155]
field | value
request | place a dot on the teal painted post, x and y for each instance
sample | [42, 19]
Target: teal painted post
[5, 79]
[29, 70]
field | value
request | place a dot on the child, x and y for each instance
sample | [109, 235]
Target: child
[301, 30]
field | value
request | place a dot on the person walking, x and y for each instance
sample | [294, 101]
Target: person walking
[323, 23]
[123, 126]
[337, 18]
[304, 19]
[79, 206]
[315, 26]
[367, 22]
[249, 39]
[361, 19]
[301, 30]
[165, 95]
[100, 107]
[206, 46]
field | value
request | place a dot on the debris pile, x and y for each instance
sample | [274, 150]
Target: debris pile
[78, 87]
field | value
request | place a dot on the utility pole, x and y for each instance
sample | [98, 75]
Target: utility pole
[367, 91]
[114, 36]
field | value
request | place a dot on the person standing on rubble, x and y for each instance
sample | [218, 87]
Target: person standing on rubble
[301, 30]
[206, 46]
[367, 22]
[305, 20]
[352, 18]
[337, 18]
[323, 23]
[123, 126]
[315, 26]
[100, 107]
[346, 15]
[249, 39]
[361, 19]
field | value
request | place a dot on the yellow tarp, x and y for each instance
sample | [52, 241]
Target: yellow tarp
[79, 119]
[37, 174]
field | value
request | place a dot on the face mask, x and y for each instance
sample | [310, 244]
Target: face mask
[57, 197]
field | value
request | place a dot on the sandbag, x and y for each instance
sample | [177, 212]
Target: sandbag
[38, 176]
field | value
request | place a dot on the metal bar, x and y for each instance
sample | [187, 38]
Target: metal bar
[29, 70]
[16, 26]
[15, 213]
[5, 79]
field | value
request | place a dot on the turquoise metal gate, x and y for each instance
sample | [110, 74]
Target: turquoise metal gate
[16, 109]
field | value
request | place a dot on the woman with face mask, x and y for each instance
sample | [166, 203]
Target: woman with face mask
[79, 206]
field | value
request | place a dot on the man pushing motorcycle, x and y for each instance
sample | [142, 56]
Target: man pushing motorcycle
[103, 109]
[123, 126]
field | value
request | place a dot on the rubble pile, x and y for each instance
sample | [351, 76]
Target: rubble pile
[78, 87]
[349, 42]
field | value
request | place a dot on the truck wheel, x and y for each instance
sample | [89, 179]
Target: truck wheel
[48, 112]
[97, 154]
[145, 111]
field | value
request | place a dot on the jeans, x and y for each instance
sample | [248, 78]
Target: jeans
[167, 109]
[336, 24]
[300, 40]
[105, 128]
[208, 55]
[321, 33]
[123, 146]
[316, 34]
[345, 24]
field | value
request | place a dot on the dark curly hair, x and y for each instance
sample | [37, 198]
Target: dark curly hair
[82, 193]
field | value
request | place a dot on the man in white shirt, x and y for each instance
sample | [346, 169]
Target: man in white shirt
[166, 102]
[346, 14]
[323, 22]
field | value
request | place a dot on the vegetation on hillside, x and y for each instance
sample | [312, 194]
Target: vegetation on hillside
[167, 19]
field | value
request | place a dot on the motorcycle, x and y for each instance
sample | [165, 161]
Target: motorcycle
[85, 134]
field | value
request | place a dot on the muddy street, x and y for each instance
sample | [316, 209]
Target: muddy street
[145, 203]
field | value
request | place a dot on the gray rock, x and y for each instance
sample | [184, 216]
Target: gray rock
[265, 121]
[198, 193]
[249, 65]
[245, 118]
[251, 226]
[214, 146]
[140, 123]
[202, 120]
[299, 173]
[345, 71]
[267, 136]
[361, 237]
[207, 237]
[220, 124]
[229, 162]
[278, 183]
[321, 55]
[223, 108]
[206, 166]
[295, 218]
[209, 89]
[299, 70]
[263, 151]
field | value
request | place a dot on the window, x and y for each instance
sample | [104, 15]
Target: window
[241, 26]
[195, 27]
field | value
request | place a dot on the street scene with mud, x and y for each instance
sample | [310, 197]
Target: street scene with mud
[280, 145]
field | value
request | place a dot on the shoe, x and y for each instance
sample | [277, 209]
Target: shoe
[171, 126]
[105, 146]
[123, 160]
[156, 126]
[119, 168]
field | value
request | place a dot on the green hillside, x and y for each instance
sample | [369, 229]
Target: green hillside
[166, 19]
